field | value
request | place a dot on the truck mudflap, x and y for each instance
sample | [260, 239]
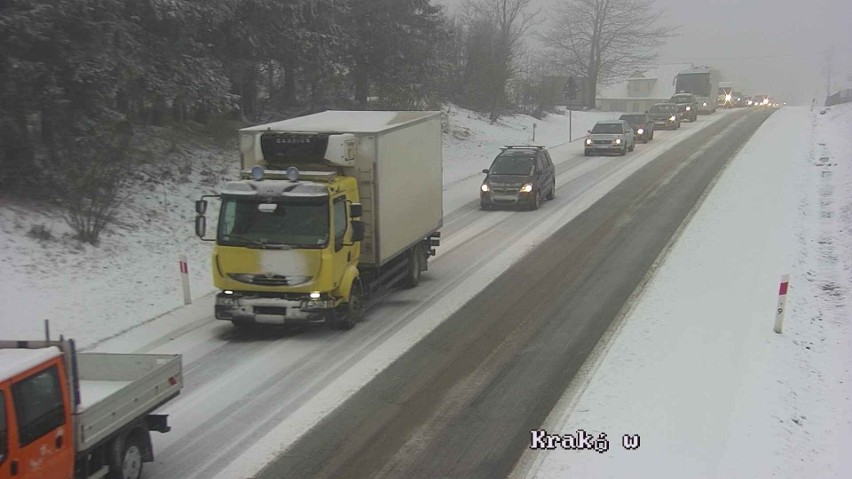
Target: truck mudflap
[272, 310]
[158, 422]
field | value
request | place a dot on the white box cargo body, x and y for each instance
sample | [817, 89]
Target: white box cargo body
[398, 164]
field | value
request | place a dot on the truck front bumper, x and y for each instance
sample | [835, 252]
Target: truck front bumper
[272, 310]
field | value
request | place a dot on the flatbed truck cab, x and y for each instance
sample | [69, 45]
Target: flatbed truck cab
[331, 210]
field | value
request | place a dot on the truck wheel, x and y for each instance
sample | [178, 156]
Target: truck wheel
[552, 193]
[350, 313]
[623, 151]
[415, 267]
[633, 145]
[129, 463]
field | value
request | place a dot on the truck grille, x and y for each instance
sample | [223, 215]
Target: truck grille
[603, 142]
[269, 279]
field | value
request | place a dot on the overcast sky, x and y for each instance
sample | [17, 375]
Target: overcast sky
[767, 46]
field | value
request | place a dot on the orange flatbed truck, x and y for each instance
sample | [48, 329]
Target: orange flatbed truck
[70, 415]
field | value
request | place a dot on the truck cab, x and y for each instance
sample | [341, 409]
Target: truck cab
[36, 439]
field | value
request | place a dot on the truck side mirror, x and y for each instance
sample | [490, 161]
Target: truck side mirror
[200, 226]
[201, 207]
[356, 210]
[357, 231]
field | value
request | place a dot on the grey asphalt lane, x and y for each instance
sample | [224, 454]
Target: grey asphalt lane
[462, 401]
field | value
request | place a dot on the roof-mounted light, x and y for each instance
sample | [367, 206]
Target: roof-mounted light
[257, 172]
[292, 173]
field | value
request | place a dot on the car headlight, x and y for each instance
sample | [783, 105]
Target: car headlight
[527, 188]
[588, 141]
[640, 131]
[705, 103]
[672, 118]
[688, 108]
[618, 141]
[728, 98]
[485, 188]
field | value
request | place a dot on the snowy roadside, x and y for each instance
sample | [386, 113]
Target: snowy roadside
[695, 369]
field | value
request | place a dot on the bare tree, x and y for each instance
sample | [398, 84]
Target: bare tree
[90, 177]
[603, 40]
[499, 27]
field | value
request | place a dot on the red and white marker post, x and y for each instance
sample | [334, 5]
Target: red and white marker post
[782, 302]
[184, 279]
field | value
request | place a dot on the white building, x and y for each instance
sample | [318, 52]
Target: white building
[640, 90]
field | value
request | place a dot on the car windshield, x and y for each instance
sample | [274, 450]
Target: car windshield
[608, 128]
[513, 164]
[682, 99]
[257, 223]
[633, 119]
[660, 109]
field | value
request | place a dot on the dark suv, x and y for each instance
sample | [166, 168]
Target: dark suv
[642, 124]
[687, 105]
[520, 175]
[665, 115]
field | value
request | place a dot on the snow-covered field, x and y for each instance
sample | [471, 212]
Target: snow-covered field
[695, 369]
[92, 294]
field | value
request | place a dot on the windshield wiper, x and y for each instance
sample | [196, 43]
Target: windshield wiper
[256, 243]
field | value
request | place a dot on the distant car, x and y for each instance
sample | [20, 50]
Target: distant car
[519, 176]
[686, 104]
[642, 124]
[665, 115]
[610, 136]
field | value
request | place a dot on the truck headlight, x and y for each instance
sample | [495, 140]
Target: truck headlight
[688, 108]
[617, 141]
[640, 131]
[527, 188]
[705, 103]
[485, 188]
[315, 295]
[588, 141]
[672, 118]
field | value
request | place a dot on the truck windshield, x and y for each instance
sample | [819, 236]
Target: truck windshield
[682, 99]
[696, 83]
[607, 128]
[258, 223]
[512, 165]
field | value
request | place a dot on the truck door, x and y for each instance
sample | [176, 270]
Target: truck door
[43, 438]
[6, 453]
[342, 254]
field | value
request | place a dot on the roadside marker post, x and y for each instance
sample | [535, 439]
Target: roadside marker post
[184, 278]
[782, 302]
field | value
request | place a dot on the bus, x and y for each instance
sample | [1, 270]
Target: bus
[703, 82]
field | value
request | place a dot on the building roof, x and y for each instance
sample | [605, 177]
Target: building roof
[663, 88]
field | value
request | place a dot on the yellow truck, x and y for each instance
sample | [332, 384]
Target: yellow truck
[331, 211]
